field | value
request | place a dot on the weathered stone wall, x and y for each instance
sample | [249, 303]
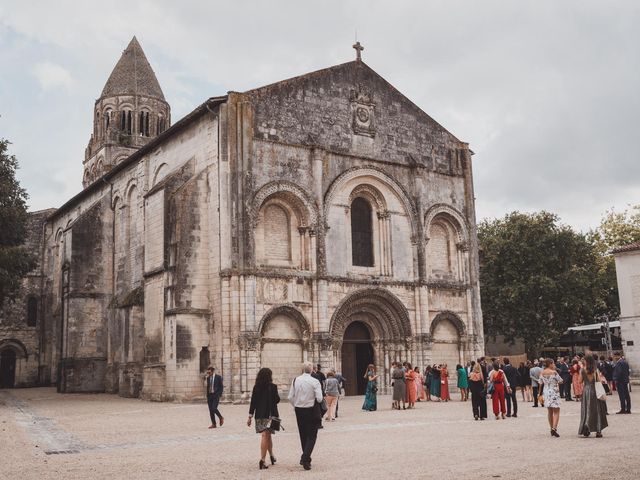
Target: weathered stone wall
[16, 332]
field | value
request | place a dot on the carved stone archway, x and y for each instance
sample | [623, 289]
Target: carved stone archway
[386, 318]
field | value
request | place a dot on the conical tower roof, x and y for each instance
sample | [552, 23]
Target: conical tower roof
[133, 75]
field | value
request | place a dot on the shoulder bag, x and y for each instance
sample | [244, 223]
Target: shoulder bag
[601, 393]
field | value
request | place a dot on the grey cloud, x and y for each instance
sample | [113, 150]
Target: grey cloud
[545, 92]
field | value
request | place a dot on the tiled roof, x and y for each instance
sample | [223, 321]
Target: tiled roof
[627, 248]
[133, 75]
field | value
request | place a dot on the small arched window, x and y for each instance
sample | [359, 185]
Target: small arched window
[107, 119]
[125, 121]
[205, 359]
[32, 311]
[161, 125]
[361, 233]
[143, 124]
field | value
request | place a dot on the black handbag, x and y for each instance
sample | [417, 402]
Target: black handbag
[275, 423]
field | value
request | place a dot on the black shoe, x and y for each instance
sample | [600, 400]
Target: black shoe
[628, 412]
[262, 466]
[534, 406]
[598, 435]
[509, 415]
[515, 415]
[475, 417]
[273, 459]
[621, 412]
[306, 466]
[554, 433]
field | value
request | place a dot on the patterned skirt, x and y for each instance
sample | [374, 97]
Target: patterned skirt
[263, 424]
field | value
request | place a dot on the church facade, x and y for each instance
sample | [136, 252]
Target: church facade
[323, 218]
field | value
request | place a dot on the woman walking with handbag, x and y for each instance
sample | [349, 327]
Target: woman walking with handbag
[593, 404]
[264, 406]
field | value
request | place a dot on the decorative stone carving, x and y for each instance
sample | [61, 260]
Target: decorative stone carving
[362, 112]
[249, 341]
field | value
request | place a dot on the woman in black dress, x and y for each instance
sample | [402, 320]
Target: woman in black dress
[523, 371]
[264, 405]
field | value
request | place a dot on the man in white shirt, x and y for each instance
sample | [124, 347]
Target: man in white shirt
[304, 392]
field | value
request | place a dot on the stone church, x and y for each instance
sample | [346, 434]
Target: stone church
[325, 217]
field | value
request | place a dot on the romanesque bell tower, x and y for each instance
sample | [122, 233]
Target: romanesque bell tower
[130, 112]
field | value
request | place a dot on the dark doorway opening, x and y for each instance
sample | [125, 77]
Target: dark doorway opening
[7, 368]
[357, 353]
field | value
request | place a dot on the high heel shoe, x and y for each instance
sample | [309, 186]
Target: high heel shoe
[273, 459]
[262, 466]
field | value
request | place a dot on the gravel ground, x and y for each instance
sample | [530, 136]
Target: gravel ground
[46, 435]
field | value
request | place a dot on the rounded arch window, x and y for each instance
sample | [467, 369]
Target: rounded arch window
[361, 233]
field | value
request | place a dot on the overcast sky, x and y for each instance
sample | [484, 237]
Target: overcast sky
[545, 92]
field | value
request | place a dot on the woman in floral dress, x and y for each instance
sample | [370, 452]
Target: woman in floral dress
[420, 385]
[551, 381]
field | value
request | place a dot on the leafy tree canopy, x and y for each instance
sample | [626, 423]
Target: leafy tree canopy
[538, 278]
[15, 261]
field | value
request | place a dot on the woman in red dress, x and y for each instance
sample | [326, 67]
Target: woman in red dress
[444, 384]
[410, 379]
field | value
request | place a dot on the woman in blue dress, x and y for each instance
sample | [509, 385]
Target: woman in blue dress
[370, 400]
[435, 383]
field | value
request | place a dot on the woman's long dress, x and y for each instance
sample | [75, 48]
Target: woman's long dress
[399, 386]
[576, 380]
[420, 387]
[410, 379]
[463, 382]
[435, 383]
[444, 385]
[593, 412]
[370, 400]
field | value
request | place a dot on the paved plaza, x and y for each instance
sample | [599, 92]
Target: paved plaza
[47, 435]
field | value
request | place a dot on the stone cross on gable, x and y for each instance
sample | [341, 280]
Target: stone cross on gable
[358, 49]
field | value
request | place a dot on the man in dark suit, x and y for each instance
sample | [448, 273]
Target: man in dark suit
[513, 377]
[621, 377]
[563, 370]
[214, 392]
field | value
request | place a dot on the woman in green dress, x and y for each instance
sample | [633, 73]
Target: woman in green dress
[463, 383]
[370, 400]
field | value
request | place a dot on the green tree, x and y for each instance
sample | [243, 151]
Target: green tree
[616, 229]
[537, 278]
[15, 261]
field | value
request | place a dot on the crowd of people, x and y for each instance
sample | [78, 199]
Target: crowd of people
[544, 382]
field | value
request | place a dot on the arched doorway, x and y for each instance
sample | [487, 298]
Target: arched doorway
[357, 353]
[7, 368]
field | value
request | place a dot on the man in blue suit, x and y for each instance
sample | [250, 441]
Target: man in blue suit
[621, 377]
[214, 392]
